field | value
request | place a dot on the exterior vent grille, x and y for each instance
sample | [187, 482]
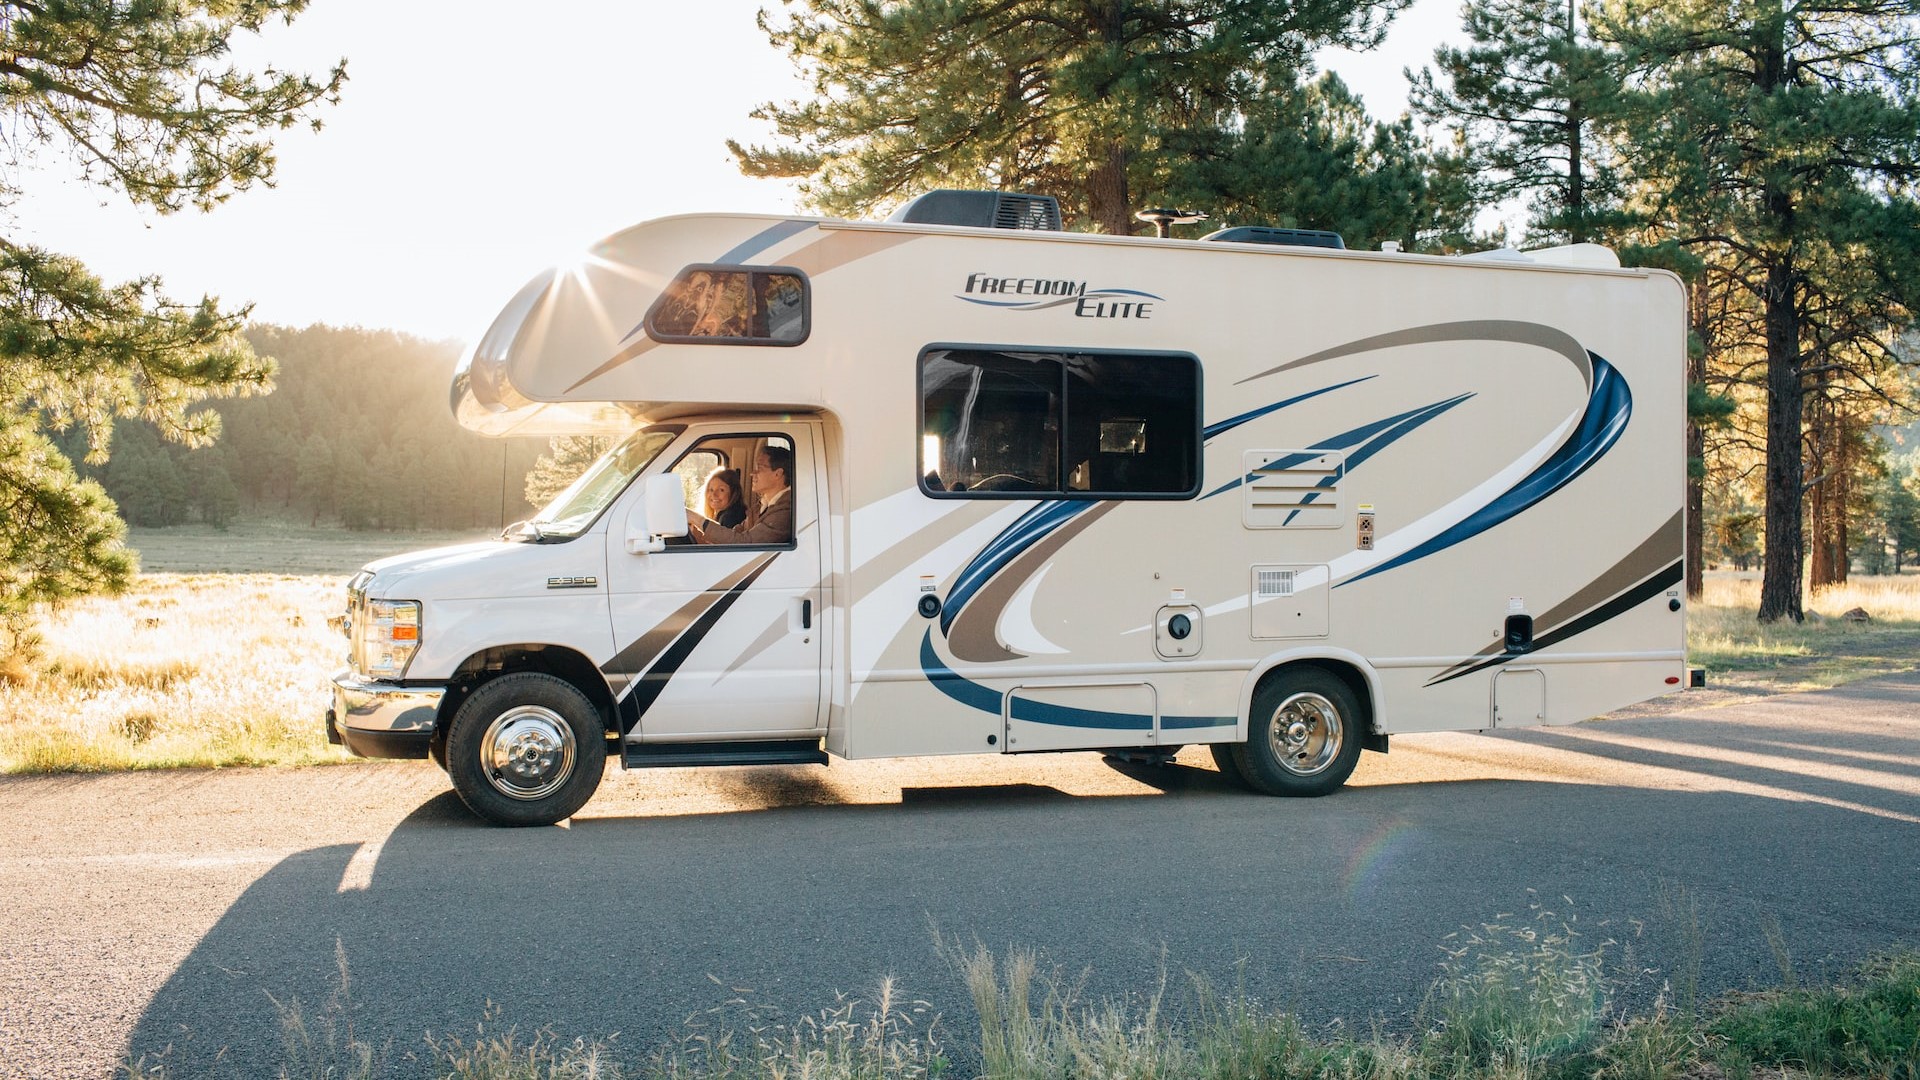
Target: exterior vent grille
[982, 210]
[1038, 212]
[1274, 582]
[1292, 489]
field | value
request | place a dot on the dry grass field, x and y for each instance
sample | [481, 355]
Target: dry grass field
[1825, 650]
[220, 653]
[209, 660]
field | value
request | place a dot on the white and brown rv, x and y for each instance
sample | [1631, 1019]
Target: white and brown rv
[1012, 489]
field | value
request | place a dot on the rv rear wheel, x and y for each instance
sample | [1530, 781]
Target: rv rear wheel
[526, 749]
[1229, 768]
[1304, 735]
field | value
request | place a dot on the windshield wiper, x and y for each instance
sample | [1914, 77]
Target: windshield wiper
[523, 531]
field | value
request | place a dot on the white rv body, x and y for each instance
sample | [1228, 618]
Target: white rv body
[1392, 461]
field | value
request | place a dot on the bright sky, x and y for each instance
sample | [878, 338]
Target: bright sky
[476, 144]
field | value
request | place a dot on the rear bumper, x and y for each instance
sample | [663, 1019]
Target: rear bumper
[381, 720]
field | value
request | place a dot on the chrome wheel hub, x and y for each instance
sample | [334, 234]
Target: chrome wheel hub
[527, 752]
[1306, 734]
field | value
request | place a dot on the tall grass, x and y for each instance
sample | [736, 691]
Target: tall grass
[231, 669]
[1826, 650]
[1515, 1001]
[185, 669]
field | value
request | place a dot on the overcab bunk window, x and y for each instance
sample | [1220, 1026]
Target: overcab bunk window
[1005, 423]
[709, 304]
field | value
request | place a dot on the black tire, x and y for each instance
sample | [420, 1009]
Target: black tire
[1303, 737]
[526, 749]
[1229, 768]
[437, 748]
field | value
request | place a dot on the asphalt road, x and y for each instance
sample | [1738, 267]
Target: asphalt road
[163, 915]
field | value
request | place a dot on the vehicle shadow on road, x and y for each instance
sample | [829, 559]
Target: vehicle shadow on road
[623, 928]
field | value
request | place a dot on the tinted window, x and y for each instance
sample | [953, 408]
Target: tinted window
[732, 305]
[1097, 424]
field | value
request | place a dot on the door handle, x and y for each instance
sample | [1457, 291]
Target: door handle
[806, 614]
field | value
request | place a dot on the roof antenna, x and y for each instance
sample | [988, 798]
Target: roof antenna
[1165, 218]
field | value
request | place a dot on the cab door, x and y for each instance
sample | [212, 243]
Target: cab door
[721, 640]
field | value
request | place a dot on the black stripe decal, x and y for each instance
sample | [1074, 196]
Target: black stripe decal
[635, 657]
[648, 687]
[1643, 561]
[1619, 605]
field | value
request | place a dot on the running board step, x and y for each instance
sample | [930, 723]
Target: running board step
[694, 755]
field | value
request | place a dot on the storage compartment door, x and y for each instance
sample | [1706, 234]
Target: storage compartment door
[1081, 716]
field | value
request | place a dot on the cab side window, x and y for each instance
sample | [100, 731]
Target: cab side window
[740, 489]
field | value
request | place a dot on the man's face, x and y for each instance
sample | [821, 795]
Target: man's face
[766, 479]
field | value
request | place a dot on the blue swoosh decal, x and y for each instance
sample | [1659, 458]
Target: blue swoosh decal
[1372, 438]
[973, 695]
[1609, 407]
[1224, 426]
[1034, 525]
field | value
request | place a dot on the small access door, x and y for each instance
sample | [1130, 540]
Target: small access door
[721, 640]
[1519, 697]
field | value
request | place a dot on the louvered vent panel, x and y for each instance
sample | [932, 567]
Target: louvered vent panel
[1038, 212]
[1273, 583]
[1293, 489]
[1289, 601]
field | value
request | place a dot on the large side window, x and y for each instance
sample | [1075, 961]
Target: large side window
[1085, 424]
[733, 305]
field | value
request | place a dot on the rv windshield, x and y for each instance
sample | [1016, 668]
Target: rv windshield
[570, 512]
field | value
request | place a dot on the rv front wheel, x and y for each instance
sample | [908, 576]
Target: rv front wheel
[1303, 737]
[526, 749]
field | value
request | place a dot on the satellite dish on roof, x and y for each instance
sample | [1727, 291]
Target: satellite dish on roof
[1165, 219]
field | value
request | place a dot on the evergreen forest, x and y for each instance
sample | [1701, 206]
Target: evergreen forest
[1768, 151]
[356, 433]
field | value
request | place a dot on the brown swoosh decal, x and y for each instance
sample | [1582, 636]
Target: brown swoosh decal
[1522, 333]
[1654, 554]
[972, 637]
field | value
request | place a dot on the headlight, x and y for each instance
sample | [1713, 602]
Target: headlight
[385, 635]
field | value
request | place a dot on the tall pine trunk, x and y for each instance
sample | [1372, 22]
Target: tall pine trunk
[1827, 500]
[1780, 596]
[1107, 196]
[1576, 178]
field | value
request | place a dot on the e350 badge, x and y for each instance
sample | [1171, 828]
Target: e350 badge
[1042, 294]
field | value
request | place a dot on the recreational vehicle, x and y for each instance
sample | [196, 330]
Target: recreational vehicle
[1011, 490]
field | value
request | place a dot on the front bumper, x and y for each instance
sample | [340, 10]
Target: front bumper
[380, 720]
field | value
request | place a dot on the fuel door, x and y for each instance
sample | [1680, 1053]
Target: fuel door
[1176, 631]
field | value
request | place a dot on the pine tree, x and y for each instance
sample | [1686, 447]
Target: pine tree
[566, 458]
[143, 100]
[1527, 98]
[313, 478]
[353, 490]
[213, 494]
[1075, 98]
[1312, 159]
[1786, 138]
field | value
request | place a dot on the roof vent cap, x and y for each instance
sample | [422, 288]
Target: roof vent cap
[1265, 234]
[982, 210]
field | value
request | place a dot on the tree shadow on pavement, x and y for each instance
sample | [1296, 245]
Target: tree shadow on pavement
[624, 928]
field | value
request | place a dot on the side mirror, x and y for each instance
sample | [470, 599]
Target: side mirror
[660, 513]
